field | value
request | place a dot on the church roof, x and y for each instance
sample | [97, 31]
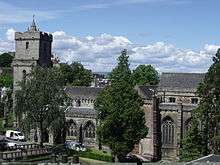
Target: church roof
[180, 81]
[82, 92]
[80, 112]
[146, 92]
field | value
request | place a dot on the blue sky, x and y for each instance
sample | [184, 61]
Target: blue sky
[155, 29]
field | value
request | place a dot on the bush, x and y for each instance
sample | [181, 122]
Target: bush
[96, 154]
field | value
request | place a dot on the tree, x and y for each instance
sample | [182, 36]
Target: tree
[5, 60]
[122, 122]
[145, 75]
[38, 102]
[192, 147]
[6, 80]
[76, 75]
[208, 112]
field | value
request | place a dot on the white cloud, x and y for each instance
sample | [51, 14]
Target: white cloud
[100, 53]
[10, 34]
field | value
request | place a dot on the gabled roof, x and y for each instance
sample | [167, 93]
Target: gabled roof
[180, 81]
[82, 92]
[146, 92]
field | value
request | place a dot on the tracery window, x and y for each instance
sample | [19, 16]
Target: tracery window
[89, 130]
[168, 128]
[72, 129]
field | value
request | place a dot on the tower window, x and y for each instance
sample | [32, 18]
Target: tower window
[27, 45]
[24, 75]
[172, 99]
[194, 100]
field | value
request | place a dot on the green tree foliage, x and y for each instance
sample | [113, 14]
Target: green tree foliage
[6, 80]
[208, 112]
[38, 101]
[76, 75]
[192, 146]
[5, 60]
[122, 122]
[145, 75]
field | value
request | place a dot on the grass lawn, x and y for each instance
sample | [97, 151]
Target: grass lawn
[96, 154]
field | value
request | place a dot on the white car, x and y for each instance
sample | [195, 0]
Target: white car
[74, 146]
[14, 135]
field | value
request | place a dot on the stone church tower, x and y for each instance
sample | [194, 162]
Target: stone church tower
[33, 48]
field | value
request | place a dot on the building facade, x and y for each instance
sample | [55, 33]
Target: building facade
[168, 110]
[81, 115]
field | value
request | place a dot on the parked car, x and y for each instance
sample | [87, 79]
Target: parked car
[7, 145]
[14, 135]
[74, 146]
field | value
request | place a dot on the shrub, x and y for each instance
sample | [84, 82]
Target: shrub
[96, 154]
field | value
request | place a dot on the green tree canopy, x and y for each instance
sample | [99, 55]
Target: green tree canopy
[122, 122]
[208, 112]
[145, 75]
[76, 75]
[39, 99]
[5, 60]
[6, 80]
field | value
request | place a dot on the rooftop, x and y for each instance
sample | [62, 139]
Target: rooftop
[82, 92]
[80, 112]
[180, 80]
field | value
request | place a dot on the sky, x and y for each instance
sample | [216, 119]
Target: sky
[171, 35]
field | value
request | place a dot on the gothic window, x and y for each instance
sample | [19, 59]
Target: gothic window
[72, 129]
[89, 130]
[27, 45]
[172, 99]
[168, 128]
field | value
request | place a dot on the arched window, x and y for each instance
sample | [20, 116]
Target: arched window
[24, 75]
[168, 128]
[72, 129]
[89, 130]
[27, 45]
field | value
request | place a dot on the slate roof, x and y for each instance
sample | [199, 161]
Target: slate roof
[82, 92]
[146, 92]
[80, 112]
[180, 80]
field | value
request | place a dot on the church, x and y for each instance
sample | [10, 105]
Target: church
[167, 107]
